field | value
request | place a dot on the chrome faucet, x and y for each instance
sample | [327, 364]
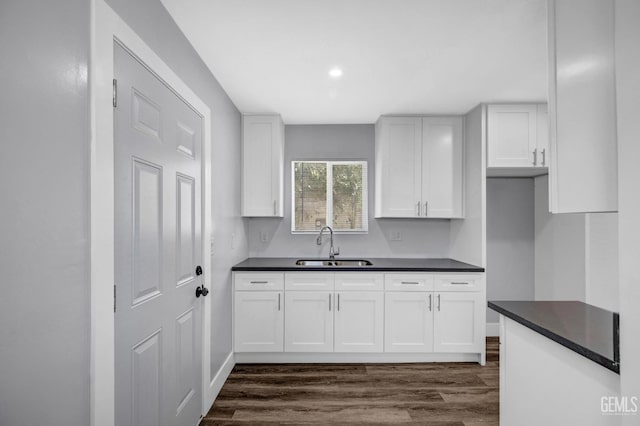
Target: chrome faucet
[332, 253]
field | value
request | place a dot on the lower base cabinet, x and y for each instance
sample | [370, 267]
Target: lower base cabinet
[412, 314]
[258, 321]
[308, 324]
[458, 324]
[359, 321]
[408, 322]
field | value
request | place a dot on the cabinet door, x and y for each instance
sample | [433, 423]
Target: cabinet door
[398, 166]
[511, 135]
[408, 322]
[309, 321]
[458, 321]
[583, 172]
[258, 321]
[262, 165]
[359, 319]
[543, 135]
[442, 167]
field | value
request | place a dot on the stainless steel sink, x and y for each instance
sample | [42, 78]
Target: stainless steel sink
[333, 262]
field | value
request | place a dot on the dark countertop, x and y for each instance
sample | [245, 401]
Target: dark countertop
[379, 264]
[586, 329]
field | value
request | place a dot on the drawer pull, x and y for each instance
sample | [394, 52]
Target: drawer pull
[410, 282]
[459, 283]
[259, 282]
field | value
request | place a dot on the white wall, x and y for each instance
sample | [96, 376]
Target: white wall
[420, 238]
[150, 20]
[601, 260]
[628, 105]
[576, 255]
[44, 213]
[559, 250]
[510, 241]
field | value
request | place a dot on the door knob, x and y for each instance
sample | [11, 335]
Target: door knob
[202, 291]
[198, 270]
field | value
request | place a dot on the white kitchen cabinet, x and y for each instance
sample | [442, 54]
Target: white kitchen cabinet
[458, 322]
[258, 321]
[583, 170]
[262, 166]
[309, 321]
[517, 139]
[419, 167]
[359, 321]
[408, 322]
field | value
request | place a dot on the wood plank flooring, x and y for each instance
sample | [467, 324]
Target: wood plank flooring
[462, 394]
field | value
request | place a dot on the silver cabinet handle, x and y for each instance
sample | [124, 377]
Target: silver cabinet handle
[544, 156]
[259, 282]
[430, 303]
[278, 301]
[329, 301]
[338, 302]
[418, 208]
[535, 156]
[425, 208]
[438, 303]
[459, 283]
[410, 282]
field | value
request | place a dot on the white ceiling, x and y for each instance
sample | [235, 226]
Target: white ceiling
[398, 56]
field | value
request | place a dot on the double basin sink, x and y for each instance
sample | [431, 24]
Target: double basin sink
[333, 262]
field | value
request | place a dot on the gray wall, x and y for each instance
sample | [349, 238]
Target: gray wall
[150, 20]
[420, 238]
[510, 240]
[44, 185]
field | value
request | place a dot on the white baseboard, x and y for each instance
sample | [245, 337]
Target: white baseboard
[493, 329]
[221, 376]
[341, 357]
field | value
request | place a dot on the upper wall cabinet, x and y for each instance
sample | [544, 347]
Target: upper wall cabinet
[517, 140]
[262, 165]
[419, 167]
[583, 169]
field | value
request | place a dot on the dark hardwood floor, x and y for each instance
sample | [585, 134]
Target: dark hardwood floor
[425, 393]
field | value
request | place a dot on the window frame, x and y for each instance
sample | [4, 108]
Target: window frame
[365, 195]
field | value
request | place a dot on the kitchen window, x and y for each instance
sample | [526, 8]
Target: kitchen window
[332, 193]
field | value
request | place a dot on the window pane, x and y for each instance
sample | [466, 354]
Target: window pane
[310, 195]
[347, 196]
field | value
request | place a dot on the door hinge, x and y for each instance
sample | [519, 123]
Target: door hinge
[114, 298]
[115, 93]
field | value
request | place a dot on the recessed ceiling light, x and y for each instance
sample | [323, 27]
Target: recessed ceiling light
[335, 72]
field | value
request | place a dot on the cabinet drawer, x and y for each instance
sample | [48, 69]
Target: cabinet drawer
[408, 282]
[259, 280]
[459, 282]
[308, 281]
[359, 281]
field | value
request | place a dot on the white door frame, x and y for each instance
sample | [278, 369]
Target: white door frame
[106, 27]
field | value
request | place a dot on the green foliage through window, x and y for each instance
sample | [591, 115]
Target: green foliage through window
[329, 193]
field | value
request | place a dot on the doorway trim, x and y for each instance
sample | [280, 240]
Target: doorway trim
[106, 29]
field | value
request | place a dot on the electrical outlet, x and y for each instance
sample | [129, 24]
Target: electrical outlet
[264, 236]
[396, 236]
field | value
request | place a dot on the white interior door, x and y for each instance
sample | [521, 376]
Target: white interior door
[158, 334]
